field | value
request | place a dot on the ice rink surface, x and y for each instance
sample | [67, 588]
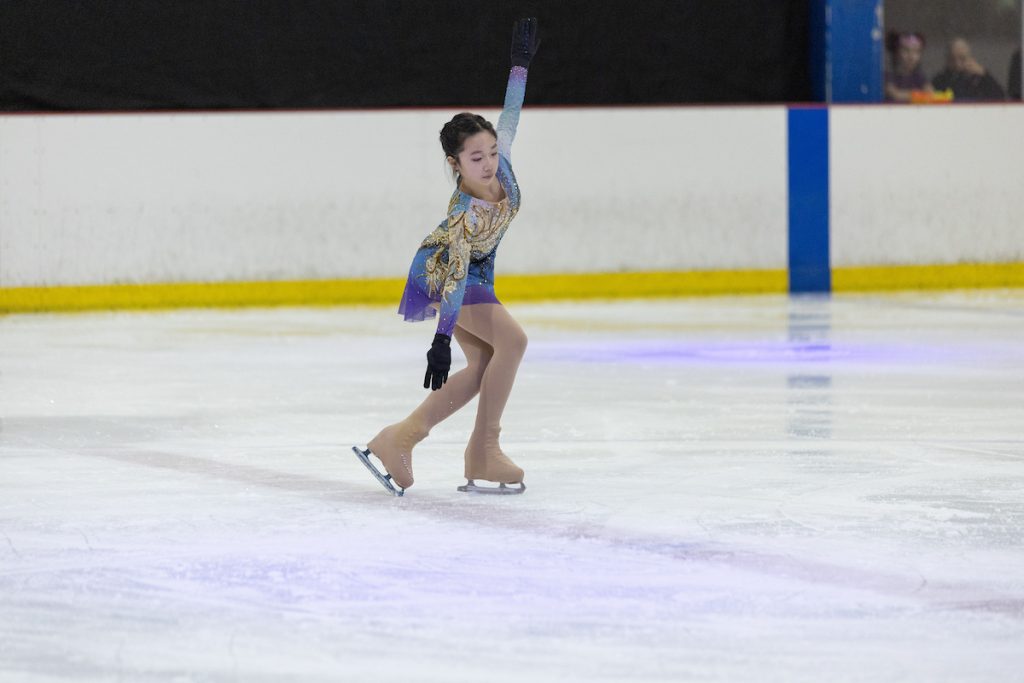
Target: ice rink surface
[719, 489]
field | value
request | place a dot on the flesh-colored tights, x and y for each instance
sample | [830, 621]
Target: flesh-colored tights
[494, 344]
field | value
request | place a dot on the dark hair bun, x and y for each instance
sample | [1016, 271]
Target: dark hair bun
[462, 126]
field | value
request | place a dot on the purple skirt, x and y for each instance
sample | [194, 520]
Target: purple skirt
[417, 305]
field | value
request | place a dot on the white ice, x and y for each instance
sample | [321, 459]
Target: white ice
[719, 489]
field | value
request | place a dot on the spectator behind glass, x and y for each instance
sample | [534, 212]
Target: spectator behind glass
[906, 75]
[965, 77]
[1013, 82]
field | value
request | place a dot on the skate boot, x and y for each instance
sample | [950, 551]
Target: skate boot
[486, 461]
[393, 446]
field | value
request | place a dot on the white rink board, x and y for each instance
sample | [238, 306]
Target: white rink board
[96, 199]
[209, 197]
[927, 185]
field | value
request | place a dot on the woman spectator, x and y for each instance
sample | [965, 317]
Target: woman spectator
[906, 75]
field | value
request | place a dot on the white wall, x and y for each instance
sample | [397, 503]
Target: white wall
[89, 199]
[94, 199]
[207, 197]
[927, 185]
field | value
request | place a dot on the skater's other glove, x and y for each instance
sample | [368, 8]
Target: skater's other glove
[525, 41]
[439, 362]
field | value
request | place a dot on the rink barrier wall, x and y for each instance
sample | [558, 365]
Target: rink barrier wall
[281, 208]
[511, 288]
[955, 276]
[926, 186]
[323, 196]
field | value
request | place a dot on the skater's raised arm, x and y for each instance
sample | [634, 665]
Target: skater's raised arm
[524, 47]
[486, 199]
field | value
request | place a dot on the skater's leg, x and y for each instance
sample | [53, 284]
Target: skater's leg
[394, 444]
[493, 324]
[460, 387]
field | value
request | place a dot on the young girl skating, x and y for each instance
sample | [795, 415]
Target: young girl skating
[453, 271]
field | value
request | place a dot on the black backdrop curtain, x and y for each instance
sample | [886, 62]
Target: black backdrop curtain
[254, 54]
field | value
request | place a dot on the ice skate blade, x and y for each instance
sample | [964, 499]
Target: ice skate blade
[500, 490]
[384, 479]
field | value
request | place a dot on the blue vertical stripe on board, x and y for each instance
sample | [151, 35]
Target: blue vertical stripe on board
[809, 269]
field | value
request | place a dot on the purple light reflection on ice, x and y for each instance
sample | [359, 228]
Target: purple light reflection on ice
[766, 351]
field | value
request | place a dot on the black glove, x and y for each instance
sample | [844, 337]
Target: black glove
[524, 41]
[439, 362]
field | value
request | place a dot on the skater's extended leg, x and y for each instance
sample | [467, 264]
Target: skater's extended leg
[460, 387]
[393, 446]
[493, 324]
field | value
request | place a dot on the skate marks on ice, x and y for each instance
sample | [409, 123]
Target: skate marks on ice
[576, 525]
[306, 573]
[485, 514]
[844, 544]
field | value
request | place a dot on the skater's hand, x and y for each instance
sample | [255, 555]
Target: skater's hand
[524, 41]
[439, 362]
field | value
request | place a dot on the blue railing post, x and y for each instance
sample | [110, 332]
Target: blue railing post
[847, 48]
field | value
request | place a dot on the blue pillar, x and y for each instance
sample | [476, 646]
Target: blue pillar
[847, 49]
[809, 265]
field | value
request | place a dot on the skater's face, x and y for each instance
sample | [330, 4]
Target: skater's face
[478, 160]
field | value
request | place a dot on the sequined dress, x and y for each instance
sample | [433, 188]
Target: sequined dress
[454, 265]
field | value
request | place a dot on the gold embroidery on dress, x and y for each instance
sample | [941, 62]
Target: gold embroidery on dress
[491, 223]
[463, 238]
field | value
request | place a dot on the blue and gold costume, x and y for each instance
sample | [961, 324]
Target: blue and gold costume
[454, 265]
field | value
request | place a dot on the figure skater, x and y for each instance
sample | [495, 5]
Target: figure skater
[453, 271]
